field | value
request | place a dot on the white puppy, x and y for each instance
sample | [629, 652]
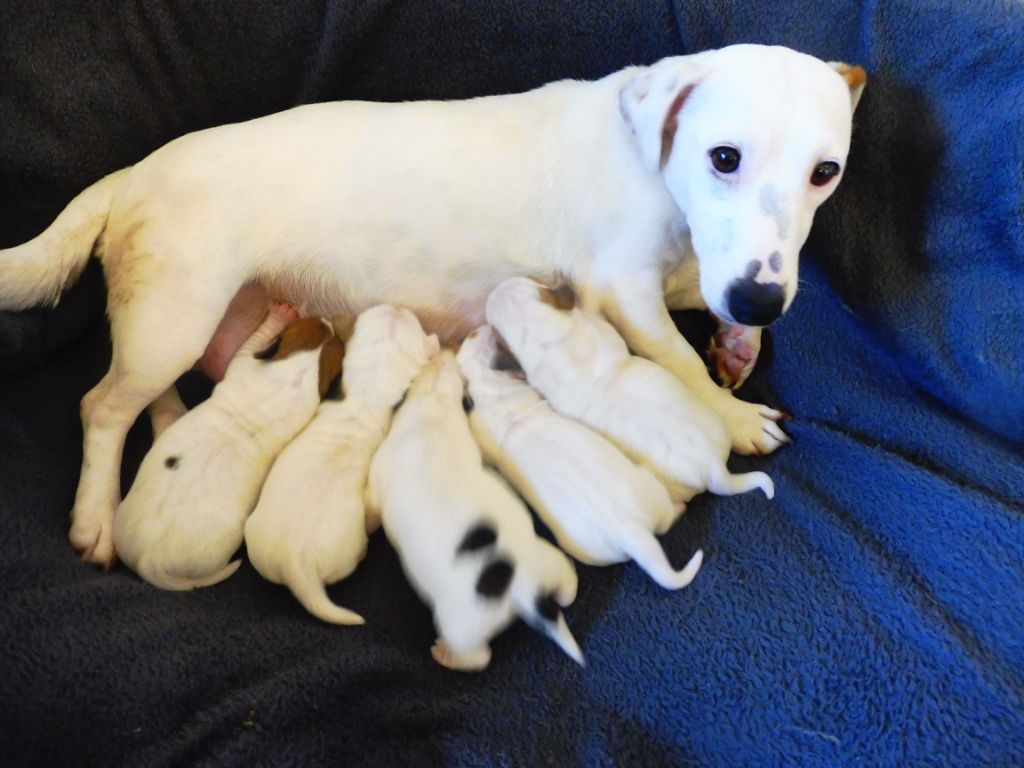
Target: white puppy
[601, 507]
[582, 366]
[184, 515]
[693, 181]
[467, 544]
[309, 527]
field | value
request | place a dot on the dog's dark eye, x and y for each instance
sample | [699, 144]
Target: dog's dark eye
[824, 173]
[725, 159]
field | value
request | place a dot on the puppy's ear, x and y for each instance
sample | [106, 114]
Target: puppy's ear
[561, 297]
[650, 103]
[856, 78]
[344, 327]
[332, 356]
[305, 334]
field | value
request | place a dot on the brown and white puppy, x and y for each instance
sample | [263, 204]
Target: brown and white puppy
[579, 362]
[309, 527]
[184, 515]
[466, 542]
[601, 507]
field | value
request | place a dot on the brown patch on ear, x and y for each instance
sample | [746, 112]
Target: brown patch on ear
[668, 128]
[561, 297]
[332, 357]
[855, 76]
[344, 327]
[305, 334]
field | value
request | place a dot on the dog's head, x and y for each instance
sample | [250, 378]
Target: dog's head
[387, 347]
[528, 315]
[750, 140]
[310, 334]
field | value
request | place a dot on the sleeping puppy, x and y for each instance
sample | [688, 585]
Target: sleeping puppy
[582, 366]
[309, 527]
[184, 515]
[465, 540]
[600, 506]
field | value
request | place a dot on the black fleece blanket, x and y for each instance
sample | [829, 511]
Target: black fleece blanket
[872, 614]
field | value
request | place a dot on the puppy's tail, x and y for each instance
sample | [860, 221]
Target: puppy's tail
[38, 271]
[159, 577]
[310, 591]
[722, 482]
[642, 547]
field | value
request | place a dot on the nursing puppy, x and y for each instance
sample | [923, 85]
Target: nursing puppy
[184, 515]
[309, 527]
[582, 366]
[466, 543]
[691, 183]
[600, 506]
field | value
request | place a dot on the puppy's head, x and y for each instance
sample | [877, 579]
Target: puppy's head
[750, 140]
[307, 335]
[387, 347]
[529, 316]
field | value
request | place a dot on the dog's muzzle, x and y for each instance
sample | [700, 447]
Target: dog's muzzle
[753, 303]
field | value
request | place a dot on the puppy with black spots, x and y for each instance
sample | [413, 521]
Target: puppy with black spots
[185, 513]
[465, 540]
[601, 507]
[309, 527]
[580, 363]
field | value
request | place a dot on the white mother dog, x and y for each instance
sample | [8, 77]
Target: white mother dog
[601, 507]
[309, 527]
[693, 181]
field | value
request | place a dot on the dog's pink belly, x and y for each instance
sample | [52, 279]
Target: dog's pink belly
[451, 323]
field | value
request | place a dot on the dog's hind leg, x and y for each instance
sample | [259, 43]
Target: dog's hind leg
[154, 342]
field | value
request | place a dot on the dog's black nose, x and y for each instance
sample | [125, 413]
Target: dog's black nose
[754, 303]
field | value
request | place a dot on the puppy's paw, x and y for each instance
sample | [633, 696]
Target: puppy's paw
[447, 658]
[733, 353]
[753, 428]
[92, 536]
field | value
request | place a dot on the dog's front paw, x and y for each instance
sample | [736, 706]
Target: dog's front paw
[753, 428]
[733, 352]
[92, 535]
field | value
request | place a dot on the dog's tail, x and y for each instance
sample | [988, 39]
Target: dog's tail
[310, 591]
[38, 271]
[541, 606]
[722, 482]
[643, 548]
[158, 576]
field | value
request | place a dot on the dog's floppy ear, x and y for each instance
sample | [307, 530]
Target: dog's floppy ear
[651, 100]
[856, 78]
[332, 356]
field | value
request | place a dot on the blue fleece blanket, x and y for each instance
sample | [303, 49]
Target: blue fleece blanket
[873, 614]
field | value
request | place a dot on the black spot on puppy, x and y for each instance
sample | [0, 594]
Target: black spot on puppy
[396, 406]
[171, 462]
[270, 351]
[547, 608]
[334, 389]
[495, 578]
[505, 361]
[467, 403]
[480, 536]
